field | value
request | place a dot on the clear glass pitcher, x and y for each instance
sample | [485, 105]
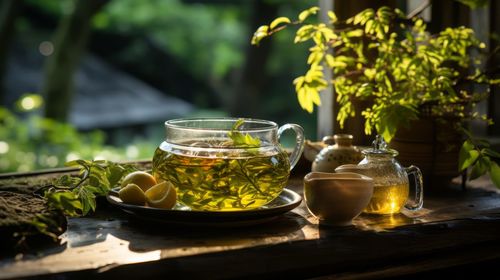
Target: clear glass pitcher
[391, 184]
[225, 164]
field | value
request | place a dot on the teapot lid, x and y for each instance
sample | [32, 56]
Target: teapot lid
[379, 147]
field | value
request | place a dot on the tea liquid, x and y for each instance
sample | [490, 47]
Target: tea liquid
[224, 182]
[388, 199]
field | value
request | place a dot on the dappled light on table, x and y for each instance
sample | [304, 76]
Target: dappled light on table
[115, 252]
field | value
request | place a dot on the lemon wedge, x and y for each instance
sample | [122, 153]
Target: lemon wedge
[142, 179]
[132, 194]
[162, 195]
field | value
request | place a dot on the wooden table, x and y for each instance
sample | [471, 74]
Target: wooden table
[457, 233]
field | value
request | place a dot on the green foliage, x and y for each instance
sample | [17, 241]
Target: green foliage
[76, 195]
[398, 68]
[35, 142]
[206, 39]
[477, 155]
[382, 57]
[32, 142]
[474, 4]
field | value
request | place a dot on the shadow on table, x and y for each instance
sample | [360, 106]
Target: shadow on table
[33, 248]
[145, 236]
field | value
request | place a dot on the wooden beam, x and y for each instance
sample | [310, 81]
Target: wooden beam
[326, 111]
[494, 63]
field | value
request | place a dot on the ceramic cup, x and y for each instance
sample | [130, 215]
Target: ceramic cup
[337, 198]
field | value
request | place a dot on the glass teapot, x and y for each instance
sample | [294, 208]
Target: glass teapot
[225, 164]
[391, 185]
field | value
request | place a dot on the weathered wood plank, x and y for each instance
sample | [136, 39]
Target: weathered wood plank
[459, 228]
[338, 252]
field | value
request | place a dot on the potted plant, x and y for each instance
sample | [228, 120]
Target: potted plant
[398, 71]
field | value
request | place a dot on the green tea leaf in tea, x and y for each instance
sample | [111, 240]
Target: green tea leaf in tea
[242, 140]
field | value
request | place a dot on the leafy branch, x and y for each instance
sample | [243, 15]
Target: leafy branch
[477, 155]
[76, 195]
[403, 72]
[387, 58]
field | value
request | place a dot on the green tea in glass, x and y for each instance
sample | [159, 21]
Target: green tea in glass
[225, 164]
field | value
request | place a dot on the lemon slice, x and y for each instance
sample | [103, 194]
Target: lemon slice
[142, 179]
[132, 194]
[162, 195]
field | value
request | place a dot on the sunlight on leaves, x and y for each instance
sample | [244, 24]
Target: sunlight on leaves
[279, 21]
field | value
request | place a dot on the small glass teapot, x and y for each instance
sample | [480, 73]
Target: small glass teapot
[391, 185]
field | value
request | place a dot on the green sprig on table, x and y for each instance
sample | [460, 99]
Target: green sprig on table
[477, 155]
[76, 195]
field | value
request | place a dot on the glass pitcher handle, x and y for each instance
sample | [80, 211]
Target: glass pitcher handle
[419, 188]
[299, 141]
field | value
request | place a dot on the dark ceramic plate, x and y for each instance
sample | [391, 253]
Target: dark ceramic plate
[285, 202]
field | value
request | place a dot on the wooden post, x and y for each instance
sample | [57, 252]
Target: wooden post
[480, 22]
[326, 111]
[448, 13]
[494, 63]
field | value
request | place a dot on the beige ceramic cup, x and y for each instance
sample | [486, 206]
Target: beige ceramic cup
[337, 198]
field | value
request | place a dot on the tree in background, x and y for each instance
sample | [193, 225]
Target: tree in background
[9, 10]
[247, 94]
[71, 37]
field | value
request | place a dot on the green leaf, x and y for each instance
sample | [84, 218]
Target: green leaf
[260, 34]
[329, 60]
[241, 140]
[87, 199]
[495, 174]
[355, 33]
[491, 152]
[44, 225]
[66, 201]
[370, 73]
[480, 168]
[474, 4]
[304, 33]
[369, 26]
[72, 163]
[114, 173]
[392, 118]
[279, 21]
[305, 14]
[467, 155]
[333, 17]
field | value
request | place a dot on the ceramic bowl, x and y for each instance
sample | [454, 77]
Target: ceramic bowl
[337, 198]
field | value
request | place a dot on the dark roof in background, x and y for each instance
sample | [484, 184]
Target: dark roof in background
[104, 96]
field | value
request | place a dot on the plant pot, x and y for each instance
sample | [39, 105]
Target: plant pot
[433, 146]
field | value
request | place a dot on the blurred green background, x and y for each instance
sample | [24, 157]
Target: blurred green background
[98, 78]
[139, 62]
